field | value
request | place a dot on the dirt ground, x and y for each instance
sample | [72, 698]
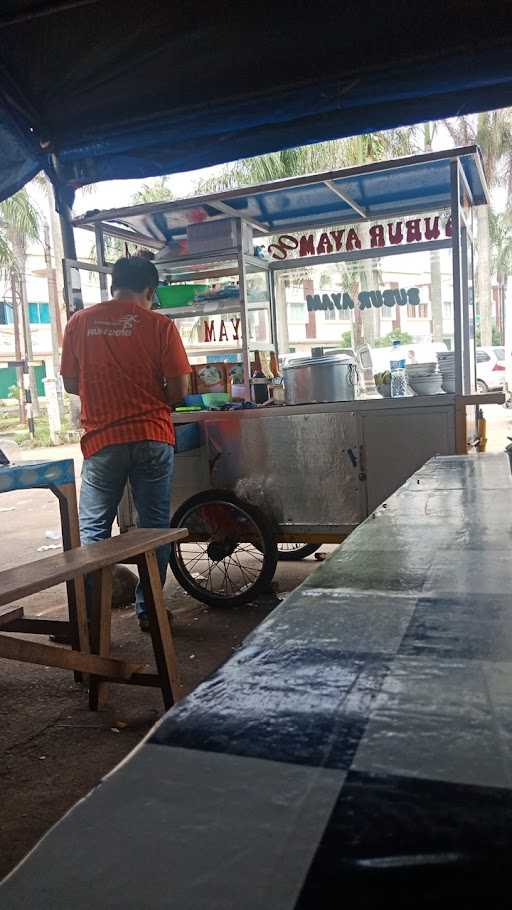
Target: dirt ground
[53, 750]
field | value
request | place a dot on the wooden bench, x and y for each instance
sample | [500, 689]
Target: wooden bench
[94, 658]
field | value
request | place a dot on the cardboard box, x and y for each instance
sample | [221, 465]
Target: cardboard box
[220, 234]
[209, 377]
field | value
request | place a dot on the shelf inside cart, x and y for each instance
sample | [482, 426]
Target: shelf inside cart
[212, 308]
[221, 348]
[217, 262]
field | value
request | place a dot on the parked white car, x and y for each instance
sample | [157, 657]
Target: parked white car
[490, 368]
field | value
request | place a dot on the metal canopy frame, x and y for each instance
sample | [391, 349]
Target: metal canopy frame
[116, 221]
[461, 242]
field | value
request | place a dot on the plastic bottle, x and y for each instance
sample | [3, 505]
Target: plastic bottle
[398, 376]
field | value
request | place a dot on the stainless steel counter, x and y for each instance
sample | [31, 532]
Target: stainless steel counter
[334, 407]
[319, 469]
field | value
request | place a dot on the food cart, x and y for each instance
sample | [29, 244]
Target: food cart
[258, 479]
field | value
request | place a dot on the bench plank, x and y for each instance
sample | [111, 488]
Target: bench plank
[41, 574]
[33, 652]
[9, 614]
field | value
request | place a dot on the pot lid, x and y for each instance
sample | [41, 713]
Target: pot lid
[327, 359]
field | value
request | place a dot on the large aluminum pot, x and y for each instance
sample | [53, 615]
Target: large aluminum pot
[332, 377]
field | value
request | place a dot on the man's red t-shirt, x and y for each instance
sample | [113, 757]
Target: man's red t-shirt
[120, 354]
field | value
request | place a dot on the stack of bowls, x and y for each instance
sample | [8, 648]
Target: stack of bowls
[423, 379]
[446, 360]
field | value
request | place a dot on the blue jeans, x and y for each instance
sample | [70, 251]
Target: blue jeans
[148, 465]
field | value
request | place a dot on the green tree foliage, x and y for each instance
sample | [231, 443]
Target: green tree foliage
[308, 159]
[157, 191]
[492, 131]
[395, 335]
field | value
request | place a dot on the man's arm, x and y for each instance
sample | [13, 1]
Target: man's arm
[70, 384]
[173, 364]
[175, 389]
[69, 367]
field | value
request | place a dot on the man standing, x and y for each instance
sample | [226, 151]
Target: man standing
[128, 366]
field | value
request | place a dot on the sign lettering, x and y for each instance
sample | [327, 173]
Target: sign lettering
[336, 241]
[366, 299]
[210, 333]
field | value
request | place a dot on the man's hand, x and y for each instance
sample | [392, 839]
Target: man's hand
[70, 384]
[175, 389]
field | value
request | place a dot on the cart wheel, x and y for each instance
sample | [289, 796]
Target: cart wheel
[292, 552]
[232, 556]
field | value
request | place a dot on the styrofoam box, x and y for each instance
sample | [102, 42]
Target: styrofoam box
[221, 234]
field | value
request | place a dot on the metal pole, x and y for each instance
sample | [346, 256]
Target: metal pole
[17, 347]
[28, 398]
[74, 299]
[456, 271]
[246, 356]
[100, 259]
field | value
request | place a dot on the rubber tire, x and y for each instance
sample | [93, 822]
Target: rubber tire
[269, 566]
[481, 386]
[296, 555]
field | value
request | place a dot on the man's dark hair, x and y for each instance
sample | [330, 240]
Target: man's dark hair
[134, 274]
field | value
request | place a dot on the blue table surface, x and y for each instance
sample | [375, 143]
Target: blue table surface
[357, 748]
[31, 474]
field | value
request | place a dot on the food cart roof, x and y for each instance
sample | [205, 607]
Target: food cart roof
[128, 90]
[384, 189]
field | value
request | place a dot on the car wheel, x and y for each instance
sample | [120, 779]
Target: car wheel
[481, 386]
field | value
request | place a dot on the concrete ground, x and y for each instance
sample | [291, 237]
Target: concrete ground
[53, 750]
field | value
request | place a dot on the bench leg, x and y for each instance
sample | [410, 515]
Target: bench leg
[159, 626]
[100, 631]
[66, 495]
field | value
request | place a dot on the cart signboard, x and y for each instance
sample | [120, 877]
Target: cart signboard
[414, 230]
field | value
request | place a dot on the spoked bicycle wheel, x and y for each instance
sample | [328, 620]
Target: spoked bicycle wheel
[231, 553]
[292, 552]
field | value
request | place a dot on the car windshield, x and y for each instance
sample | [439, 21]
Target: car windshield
[500, 353]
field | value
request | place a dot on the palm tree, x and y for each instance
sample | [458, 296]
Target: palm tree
[20, 224]
[436, 290]
[492, 131]
[157, 191]
[500, 230]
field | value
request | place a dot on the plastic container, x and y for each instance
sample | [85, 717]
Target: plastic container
[187, 437]
[215, 399]
[398, 374]
[176, 295]
[194, 401]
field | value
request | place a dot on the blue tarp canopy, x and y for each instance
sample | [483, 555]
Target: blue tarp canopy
[418, 184]
[131, 90]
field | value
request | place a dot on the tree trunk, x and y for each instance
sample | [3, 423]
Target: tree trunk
[436, 290]
[484, 297]
[283, 339]
[436, 296]
[54, 316]
[357, 327]
[58, 253]
[21, 260]
[366, 273]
